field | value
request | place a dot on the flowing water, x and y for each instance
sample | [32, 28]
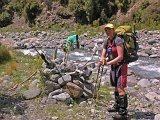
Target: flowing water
[144, 67]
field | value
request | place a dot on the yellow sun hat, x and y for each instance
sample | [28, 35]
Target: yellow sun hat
[109, 25]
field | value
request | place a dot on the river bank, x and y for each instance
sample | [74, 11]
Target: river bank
[144, 96]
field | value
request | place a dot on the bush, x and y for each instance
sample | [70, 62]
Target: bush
[103, 18]
[123, 5]
[5, 19]
[19, 6]
[96, 23]
[148, 17]
[3, 3]
[4, 54]
[31, 11]
[77, 6]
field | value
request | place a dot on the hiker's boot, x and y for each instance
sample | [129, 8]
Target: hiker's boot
[123, 104]
[115, 107]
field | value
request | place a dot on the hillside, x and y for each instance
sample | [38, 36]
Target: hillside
[65, 13]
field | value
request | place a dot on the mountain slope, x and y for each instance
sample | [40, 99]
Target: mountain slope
[47, 13]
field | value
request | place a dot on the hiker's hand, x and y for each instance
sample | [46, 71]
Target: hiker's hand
[102, 62]
[99, 63]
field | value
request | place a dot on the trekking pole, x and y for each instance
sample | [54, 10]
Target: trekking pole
[95, 94]
[98, 82]
[100, 77]
[98, 74]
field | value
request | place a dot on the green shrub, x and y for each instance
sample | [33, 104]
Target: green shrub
[123, 5]
[73, 5]
[4, 54]
[5, 19]
[80, 29]
[148, 17]
[19, 6]
[3, 3]
[31, 10]
[77, 6]
[96, 23]
[103, 17]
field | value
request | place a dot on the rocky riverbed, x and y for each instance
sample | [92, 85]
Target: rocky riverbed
[144, 95]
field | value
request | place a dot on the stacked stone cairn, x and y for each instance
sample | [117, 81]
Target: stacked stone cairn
[68, 82]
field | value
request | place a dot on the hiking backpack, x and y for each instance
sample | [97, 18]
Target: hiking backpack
[130, 43]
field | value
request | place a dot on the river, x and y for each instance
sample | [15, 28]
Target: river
[144, 67]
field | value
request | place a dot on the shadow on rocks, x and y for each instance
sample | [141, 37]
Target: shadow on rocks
[144, 115]
[11, 105]
[136, 116]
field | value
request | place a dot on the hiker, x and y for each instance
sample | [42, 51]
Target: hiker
[114, 49]
[70, 44]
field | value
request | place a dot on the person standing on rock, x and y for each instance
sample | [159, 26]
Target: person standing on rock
[113, 48]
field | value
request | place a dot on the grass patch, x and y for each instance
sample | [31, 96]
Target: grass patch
[63, 112]
[20, 67]
[104, 93]
[10, 29]
[4, 54]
